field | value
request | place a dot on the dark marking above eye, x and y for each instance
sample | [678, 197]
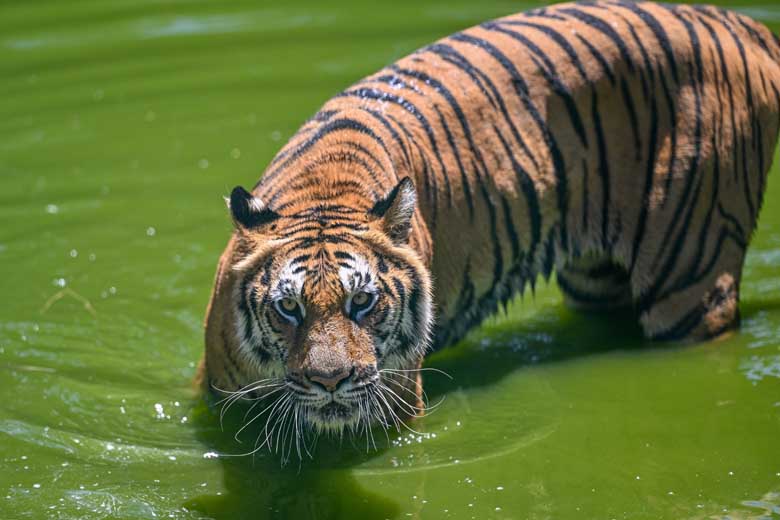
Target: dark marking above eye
[300, 269]
[381, 264]
[343, 255]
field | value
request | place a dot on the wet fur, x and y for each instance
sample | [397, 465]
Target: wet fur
[624, 146]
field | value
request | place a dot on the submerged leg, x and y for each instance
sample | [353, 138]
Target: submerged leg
[697, 307]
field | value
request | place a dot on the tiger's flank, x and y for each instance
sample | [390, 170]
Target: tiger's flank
[623, 146]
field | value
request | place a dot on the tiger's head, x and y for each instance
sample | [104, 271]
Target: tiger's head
[329, 309]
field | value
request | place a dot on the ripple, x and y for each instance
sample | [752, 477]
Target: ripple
[757, 368]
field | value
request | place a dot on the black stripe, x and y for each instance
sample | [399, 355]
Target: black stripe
[375, 94]
[550, 73]
[445, 334]
[603, 27]
[452, 56]
[558, 38]
[658, 30]
[734, 222]
[644, 204]
[393, 133]
[628, 100]
[648, 67]
[464, 180]
[585, 196]
[521, 88]
[429, 182]
[335, 125]
[600, 59]
[603, 169]
[725, 78]
[531, 198]
[751, 108]
[705, 227]
[753, 33]
[690, 178]
[684, 326]
[670, 105]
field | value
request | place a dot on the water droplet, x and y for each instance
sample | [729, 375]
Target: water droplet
[499, 488]
[60, 282]
[171, 457]
[276, 135]
[112, 290]
[92, 257]
[52, 209]
[37, 486]
[235, 153]
[160, 413]
[74, 253]
[210, 455]
[122, 409]
[203, 164]
[150, 231]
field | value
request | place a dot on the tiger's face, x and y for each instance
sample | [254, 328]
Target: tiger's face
[333, 308]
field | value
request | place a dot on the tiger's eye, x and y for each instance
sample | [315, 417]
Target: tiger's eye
[360, 299]
[289, 304]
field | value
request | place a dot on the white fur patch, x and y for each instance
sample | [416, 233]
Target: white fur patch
[358, 276]
[290, 284]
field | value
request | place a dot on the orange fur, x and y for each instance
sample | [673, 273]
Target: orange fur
[624, 146]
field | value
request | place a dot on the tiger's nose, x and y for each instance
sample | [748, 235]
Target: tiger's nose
[329, 381]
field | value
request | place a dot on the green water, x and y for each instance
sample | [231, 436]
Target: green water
[123, 123]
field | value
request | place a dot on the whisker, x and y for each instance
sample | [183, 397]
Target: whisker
[400, 400]
[259, 414]
[422, 369]
[393, 412]
[416, 383]
[258, 401]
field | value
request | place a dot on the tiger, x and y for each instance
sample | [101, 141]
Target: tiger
[622, 146]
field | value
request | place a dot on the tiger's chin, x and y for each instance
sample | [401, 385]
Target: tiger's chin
[333, 417]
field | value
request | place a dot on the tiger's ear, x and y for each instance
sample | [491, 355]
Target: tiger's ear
[396, 210]
[248, 211]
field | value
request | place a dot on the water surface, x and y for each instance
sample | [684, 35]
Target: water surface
[123, 124]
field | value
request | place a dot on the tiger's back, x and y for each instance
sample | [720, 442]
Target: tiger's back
[624, 146]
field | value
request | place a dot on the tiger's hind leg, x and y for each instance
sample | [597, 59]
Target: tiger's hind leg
[697, 304]
[594, 283]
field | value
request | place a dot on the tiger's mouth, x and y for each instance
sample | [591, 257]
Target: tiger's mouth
[334, 412]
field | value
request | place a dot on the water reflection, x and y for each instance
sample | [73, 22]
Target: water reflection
[259, 486]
